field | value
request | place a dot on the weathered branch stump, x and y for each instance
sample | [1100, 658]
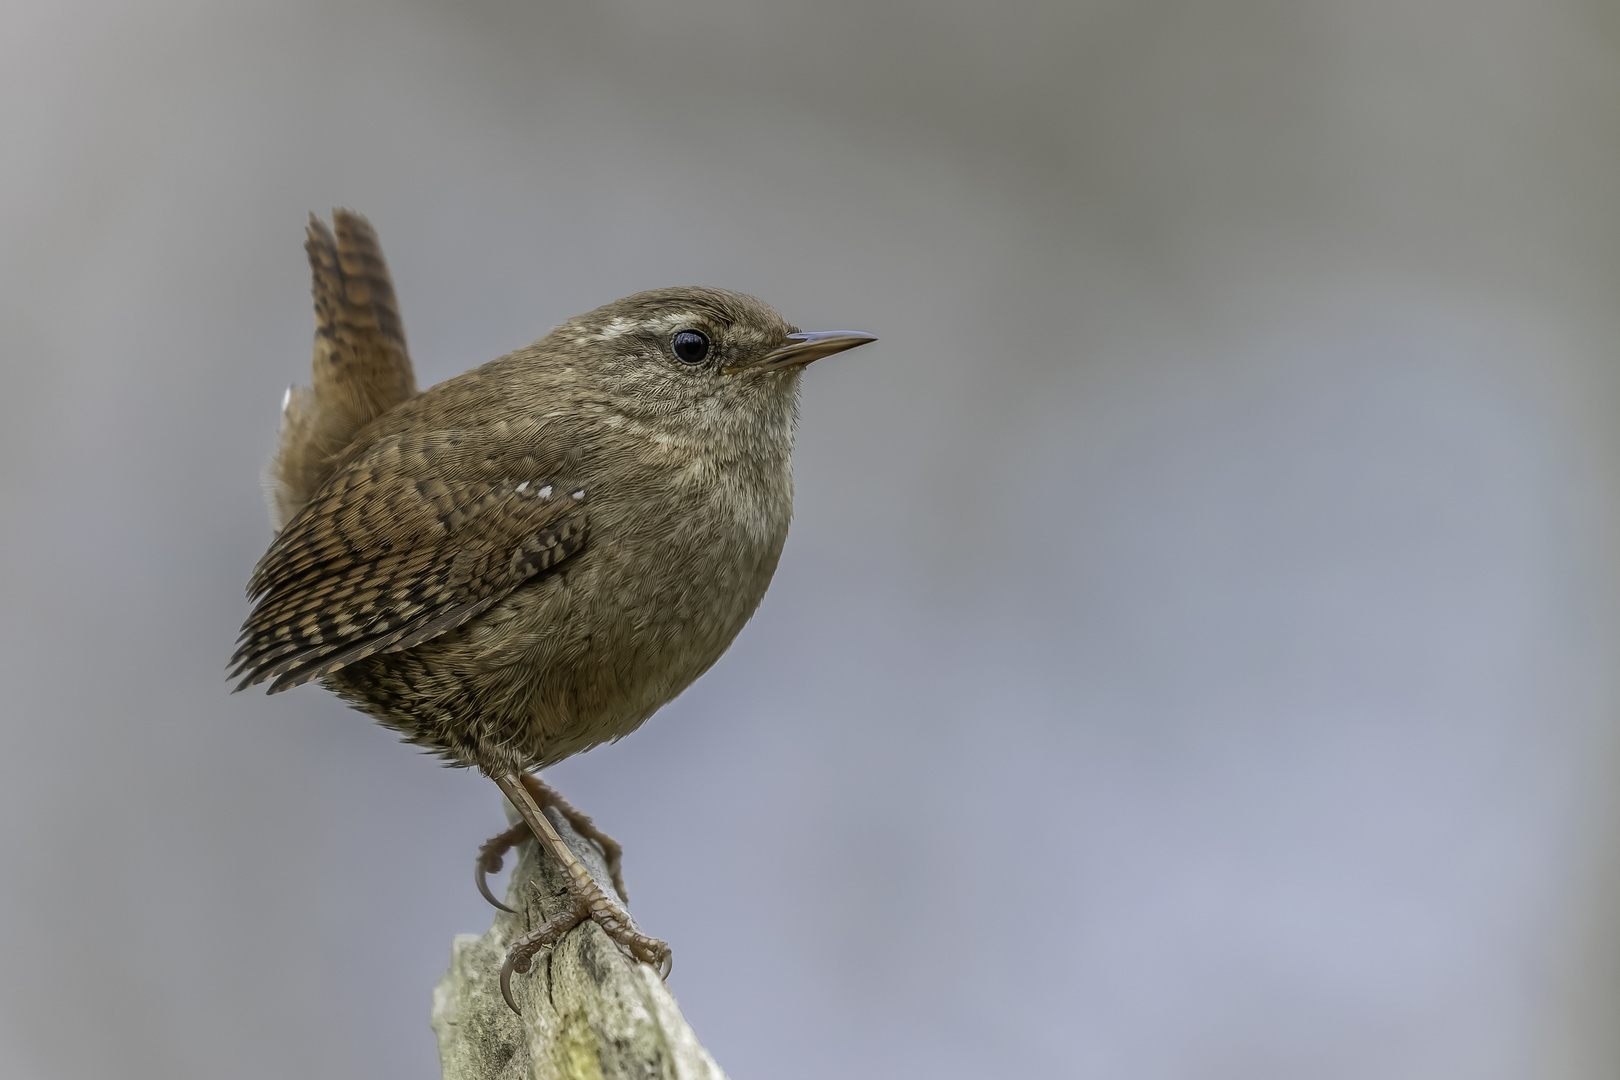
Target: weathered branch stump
[589, 1011]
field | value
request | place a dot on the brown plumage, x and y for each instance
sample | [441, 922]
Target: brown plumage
[528, 559]
[361, 367]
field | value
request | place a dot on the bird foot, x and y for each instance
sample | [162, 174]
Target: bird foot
[492, 854]
[590, 904]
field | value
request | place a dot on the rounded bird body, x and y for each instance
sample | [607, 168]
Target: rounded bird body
[686, 481]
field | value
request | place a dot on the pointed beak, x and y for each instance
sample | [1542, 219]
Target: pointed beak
[802, 349]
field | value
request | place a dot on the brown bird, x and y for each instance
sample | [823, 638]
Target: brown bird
[529, 559]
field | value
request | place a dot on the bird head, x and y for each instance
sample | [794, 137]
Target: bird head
[708, 360]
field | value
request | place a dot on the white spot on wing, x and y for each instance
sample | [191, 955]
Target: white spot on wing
[523, 485]
[545, 492]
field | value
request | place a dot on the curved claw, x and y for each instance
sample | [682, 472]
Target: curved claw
[490, 856]
[483, 887]
[667, 966]
[506, 985]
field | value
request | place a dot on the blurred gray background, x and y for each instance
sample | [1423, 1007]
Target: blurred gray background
[1194, 656]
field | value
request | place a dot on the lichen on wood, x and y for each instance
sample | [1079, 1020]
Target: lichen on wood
[589, 1011]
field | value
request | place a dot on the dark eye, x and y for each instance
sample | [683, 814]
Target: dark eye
[690, 346]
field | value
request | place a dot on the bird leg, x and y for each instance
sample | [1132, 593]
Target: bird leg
[589, 901]
[492, 854]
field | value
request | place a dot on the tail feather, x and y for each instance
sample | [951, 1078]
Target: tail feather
[361, 367]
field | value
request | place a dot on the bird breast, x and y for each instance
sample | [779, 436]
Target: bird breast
[667, 579]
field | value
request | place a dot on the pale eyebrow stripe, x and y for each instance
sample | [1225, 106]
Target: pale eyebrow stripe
[621, 326]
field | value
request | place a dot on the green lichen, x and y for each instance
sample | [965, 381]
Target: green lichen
[580, 1053]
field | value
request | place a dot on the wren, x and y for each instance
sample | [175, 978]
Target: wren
[531, 558]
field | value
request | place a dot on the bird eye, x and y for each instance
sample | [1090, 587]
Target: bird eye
[690, 346]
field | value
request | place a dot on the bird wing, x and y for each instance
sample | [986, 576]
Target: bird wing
[360, 368]
[403, 544]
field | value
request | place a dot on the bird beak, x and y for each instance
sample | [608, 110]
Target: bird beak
[802, 349]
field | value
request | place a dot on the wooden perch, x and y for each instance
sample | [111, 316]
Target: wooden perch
[589, 1011]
